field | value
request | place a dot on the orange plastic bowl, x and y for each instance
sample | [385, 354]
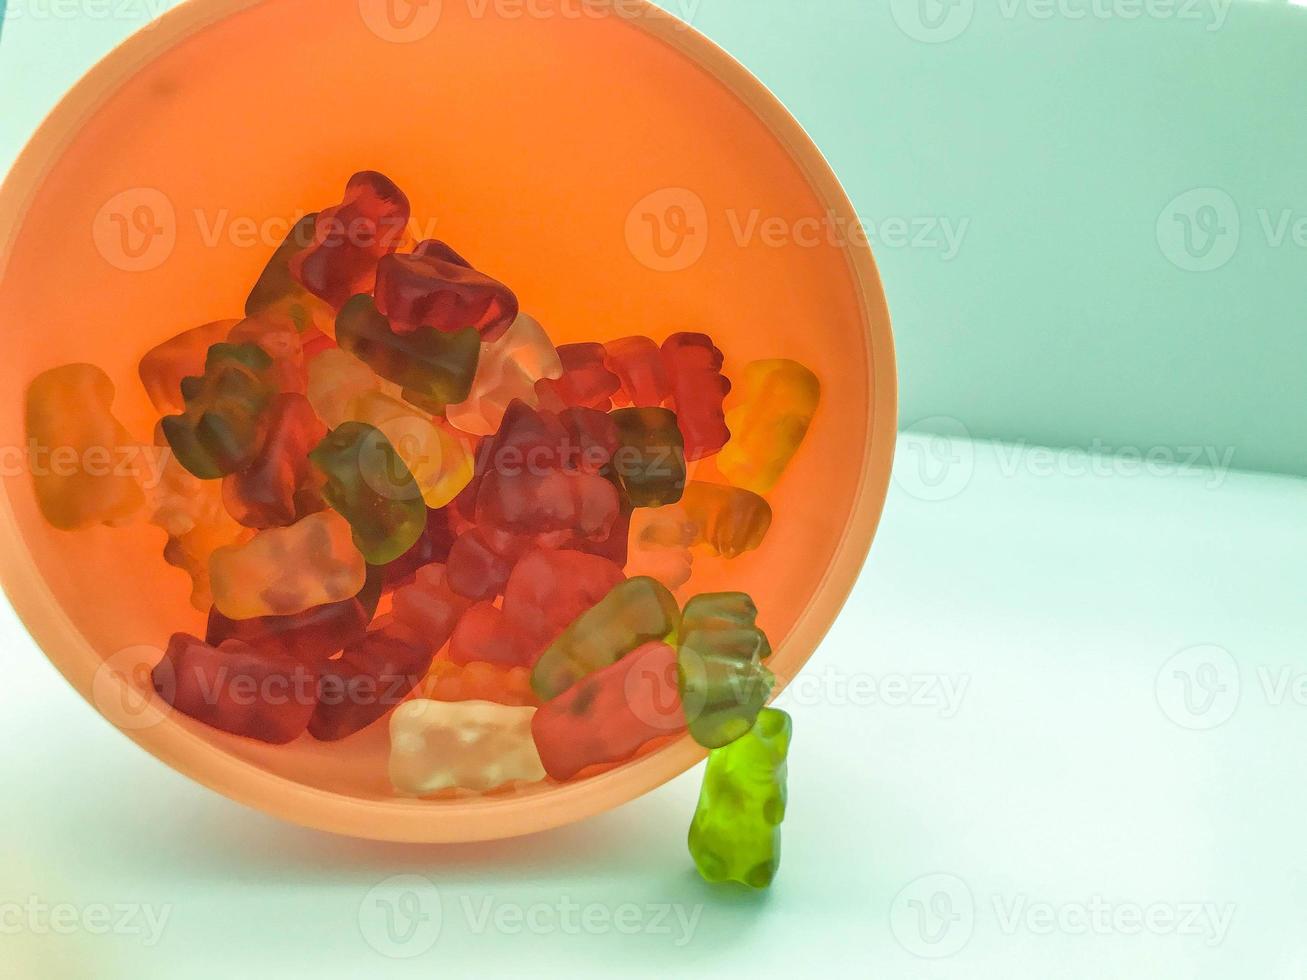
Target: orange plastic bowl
[620, 172]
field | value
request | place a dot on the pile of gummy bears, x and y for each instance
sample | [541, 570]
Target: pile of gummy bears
[386, 432]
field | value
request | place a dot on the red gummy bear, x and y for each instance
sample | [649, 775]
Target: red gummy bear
[541, 478]
[260, 695]
[379, 671]
[309, 637]
[429, 607]
[481, 561]
[607, 716]
[281, 485]
[694, 368]
[351, 238]
[371, 677]
[586, 381]
[546, 592]
[435, 287]
[638, 364]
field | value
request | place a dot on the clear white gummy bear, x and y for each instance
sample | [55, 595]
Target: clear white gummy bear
[473, 745]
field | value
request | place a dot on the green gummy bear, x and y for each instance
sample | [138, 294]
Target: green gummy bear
[368, 484]
[434, 368]
[634, 613]
[651, 458]
[719, 665]
[276, 284]
[221, 431]
[736, 831]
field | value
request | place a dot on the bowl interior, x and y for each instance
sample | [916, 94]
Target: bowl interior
[620, 174]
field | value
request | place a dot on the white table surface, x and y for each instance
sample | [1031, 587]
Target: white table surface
[1043, 801]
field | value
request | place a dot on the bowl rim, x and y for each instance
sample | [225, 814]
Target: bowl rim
[474, 819]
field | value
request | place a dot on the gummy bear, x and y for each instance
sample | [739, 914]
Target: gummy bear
[281, 485]
[277, 290]
[192, 513]
[448, 681]
[736, 832]
[481, 561]
[768, 428]
[639, 367]
[257, 694]
[336, 378]
[351, 238]
[426, 289]
[607, 716]
[309, 637]
[286, 570]
[164, 366]
[277, 337]
[722, 680]
[369, 485]
[472, 745]
[651, 459]
[586, 381]
[222, 428]
[82, 460]
[429, 607]
[371, 677]
[508, 369]
[545, 593]
[538, 478]
[660, 546]
[694, 368]
[439, 459]
[730, 521]
[636, 612]
[433, 367]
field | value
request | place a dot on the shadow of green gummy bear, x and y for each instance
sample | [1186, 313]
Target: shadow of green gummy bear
[222, 429]
[736, 832]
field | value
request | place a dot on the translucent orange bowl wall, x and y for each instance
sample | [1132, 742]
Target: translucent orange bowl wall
[550, 150]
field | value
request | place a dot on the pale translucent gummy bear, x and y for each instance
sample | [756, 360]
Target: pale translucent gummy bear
[660, 545]
[472, 745]
[507, 369]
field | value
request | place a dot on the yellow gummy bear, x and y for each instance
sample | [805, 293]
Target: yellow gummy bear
[439, 459]
[85, 466]
[767, 429]
[286, 570]
[335, 379]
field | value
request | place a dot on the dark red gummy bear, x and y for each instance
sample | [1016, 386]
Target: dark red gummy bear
[607, 716]
[432, 547]
[282, 485]
[351, 238]
[372, 677]
[234, 688]
[694, 370]
[586, 381]
[481, 561]
[435, 287]
[309, 637]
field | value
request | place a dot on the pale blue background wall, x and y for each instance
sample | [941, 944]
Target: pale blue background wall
[1039, 150]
